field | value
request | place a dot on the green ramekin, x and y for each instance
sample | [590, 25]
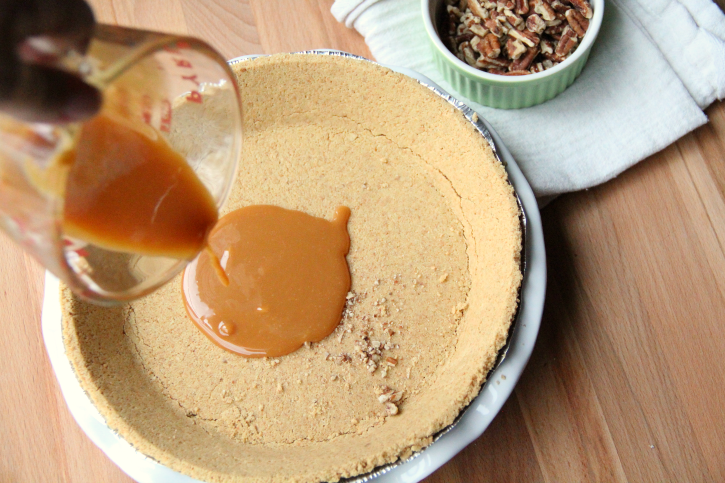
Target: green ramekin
[505, 92]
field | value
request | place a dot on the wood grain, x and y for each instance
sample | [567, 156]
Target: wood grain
[627, 377]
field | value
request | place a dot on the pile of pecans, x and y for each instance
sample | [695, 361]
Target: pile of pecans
[514, 37]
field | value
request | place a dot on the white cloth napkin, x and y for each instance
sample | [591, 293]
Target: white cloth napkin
[655, 66]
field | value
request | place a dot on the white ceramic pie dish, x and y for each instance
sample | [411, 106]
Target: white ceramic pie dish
[468, 427]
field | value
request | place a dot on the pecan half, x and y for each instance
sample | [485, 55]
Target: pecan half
[567, 42]
[514, 19]
[454, 10]
[493, 26]
[522, 7]
[505, 4]
[547, 46]
[464, 37]
[535, 24]
[517, 72]
[468, 54]
[558, 6]
[477, 45]
[451, 24]
[477, 9]
[577, 22]
[553, 57]
[524, 62]
[555, 29]
[515, 48]
[498, 63]
[544, 9]
[502, 21]
[582, 7]
[479, 30]
[490, 46]
[527, 37]
[469, 20]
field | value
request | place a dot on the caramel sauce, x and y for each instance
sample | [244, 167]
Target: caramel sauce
[287, 280]
[129, 191]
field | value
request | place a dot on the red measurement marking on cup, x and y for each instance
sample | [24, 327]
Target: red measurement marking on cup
[146, 107]
[165, 116]
[75, 246]
[185, 72]
[180, 44]
[191, 78]
[194, 96]
[183, 63]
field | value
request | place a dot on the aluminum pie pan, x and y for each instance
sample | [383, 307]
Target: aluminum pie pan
[471, 421]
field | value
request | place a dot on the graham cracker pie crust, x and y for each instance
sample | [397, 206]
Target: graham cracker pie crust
[434, 258]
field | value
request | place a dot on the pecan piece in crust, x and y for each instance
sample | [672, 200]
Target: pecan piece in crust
[522, 7]
[535, 24]
[524, 62]
[577, 22]
[567, 42]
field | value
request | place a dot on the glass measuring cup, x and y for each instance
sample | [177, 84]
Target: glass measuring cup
[178, 88]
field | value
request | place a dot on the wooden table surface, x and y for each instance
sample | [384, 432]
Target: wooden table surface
[628, 376]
